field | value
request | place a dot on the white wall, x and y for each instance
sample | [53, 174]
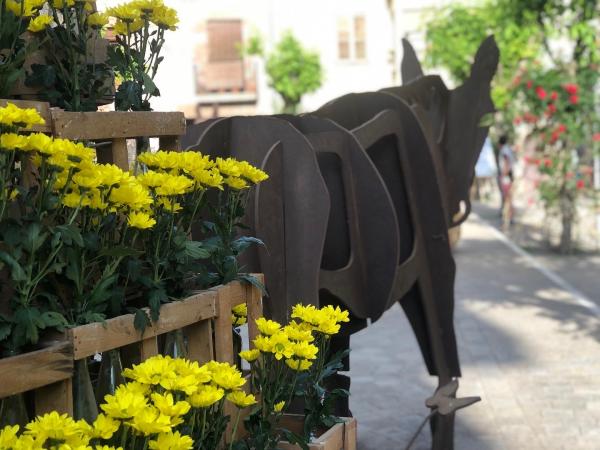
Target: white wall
[313, 22]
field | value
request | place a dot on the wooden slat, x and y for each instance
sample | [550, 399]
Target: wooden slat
[31, 370]
[341, 436]
[117, 124]
[118, 332]
[148, 348]
[200, 341]
[55, 397]
[350, 434]
[255, 310]
[170, 143]
[115, 154]
[223, 328]
[42, 107]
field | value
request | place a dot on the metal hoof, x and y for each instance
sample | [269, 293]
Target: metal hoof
[444, 401]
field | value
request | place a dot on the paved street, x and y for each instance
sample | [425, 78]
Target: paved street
[528, 347]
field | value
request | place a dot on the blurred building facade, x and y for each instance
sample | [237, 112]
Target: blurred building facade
[205, 75]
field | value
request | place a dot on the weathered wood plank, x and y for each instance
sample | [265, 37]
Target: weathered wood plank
[118, 332]
[114, 154]
[148, 348]
[223, 328]
[55, 397]
[200, 341]
[255, 309]
[35, 369]
[117, 124]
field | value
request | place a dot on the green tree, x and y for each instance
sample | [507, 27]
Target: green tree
[293, 71]
[544, 45]
[455, 32]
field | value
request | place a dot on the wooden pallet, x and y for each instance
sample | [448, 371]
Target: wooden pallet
[205, 318]
[113, 128]
[341, 436]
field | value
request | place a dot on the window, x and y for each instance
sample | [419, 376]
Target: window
[352, 39]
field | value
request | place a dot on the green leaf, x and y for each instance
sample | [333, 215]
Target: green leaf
[16, 271]
[196, 250]
[156, 297]
[149, 86]
[70, 234]
[53, 319]
[242, 243]
[141, 320]
[5, 330]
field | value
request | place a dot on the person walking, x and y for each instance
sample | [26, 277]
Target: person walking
[506, 164]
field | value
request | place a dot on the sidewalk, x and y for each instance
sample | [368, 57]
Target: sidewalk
[527, 347]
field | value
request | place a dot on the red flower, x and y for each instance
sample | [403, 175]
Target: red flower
[541, 93]
[517, 121]
[547, 163]
[554, 137]
[580, 184]
[574, 99]
[596, 137]
[529, 84]
[551, 108]
[554, 95]
[561, 128]
[571, 88]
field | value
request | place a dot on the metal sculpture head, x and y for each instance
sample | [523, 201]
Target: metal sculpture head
[454, 117]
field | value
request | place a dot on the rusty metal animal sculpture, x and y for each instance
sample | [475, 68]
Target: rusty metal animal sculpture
[356, 212]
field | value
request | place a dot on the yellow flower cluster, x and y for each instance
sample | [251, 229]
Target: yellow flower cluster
[294, 341]
[239, 314]
[325, 320]
[202, 386]
[24, 8]
[13, 116]
[291, 343]
[162, 396]
[131, 17]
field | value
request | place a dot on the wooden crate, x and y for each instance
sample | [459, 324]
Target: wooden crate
[112, 128]
[341, 436]
[205, 318]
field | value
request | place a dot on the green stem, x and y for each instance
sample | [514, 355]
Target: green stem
[235, 427]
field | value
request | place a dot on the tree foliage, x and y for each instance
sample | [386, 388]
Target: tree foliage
[456, 31]
[293, 71]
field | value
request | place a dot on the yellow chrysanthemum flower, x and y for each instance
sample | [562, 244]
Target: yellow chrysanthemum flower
[206, 396]
[12, 115]
[39, 23]
[263, 343]
[149, 421]
[240, 310]
[305, 350]
[167, 405]
[299, 365]
[229, 167]
[281, 345]
[13, 141]
[250, 355]
[277, 407]
[251, 173]
[8, 436]
[236, 183]
[174, 185]
[97, 20]
[38, 142]
[105, 427]
[171, 441]
[238, 321]
[56, 427]
[241, 399]
[267, 327]
[209, 178]
[228, 378]
[299, 332]
[165, 17]
[124, 404]
[140, 220]
[126, 12]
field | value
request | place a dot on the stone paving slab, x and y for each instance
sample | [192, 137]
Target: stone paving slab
[527, 348]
